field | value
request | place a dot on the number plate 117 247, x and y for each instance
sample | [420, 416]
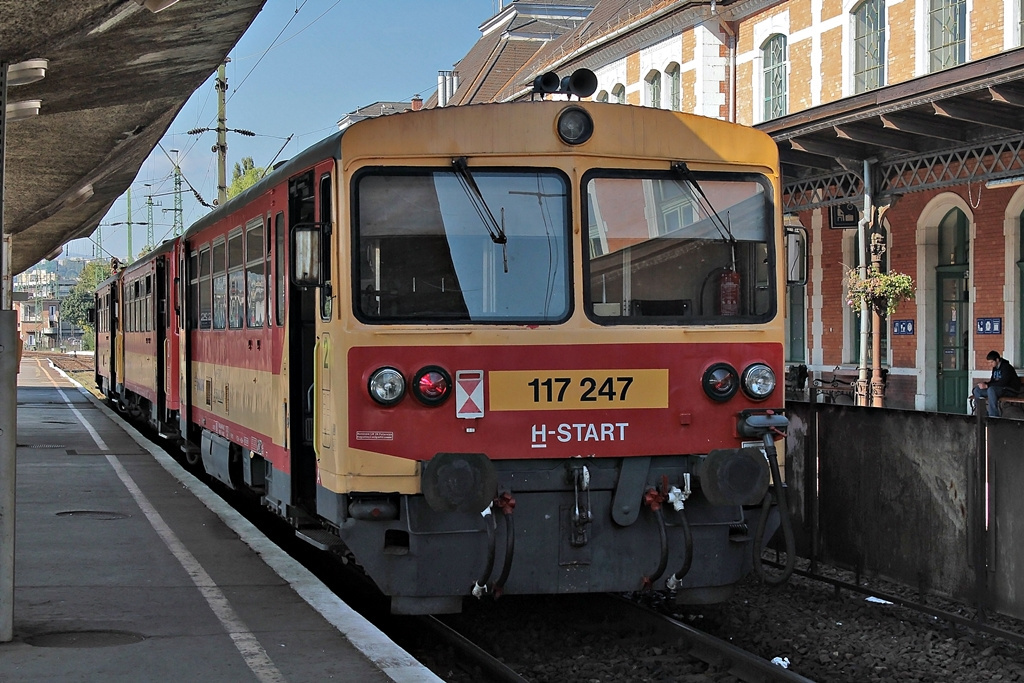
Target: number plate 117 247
[578, 389]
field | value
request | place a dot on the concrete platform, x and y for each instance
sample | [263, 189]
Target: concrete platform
[128, 569]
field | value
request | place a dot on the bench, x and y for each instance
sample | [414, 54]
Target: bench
[1013, 399]
[1010, 399]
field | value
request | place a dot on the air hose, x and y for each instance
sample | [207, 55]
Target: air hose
[787, 524]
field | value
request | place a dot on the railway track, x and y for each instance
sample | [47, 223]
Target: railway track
[593, 638]
[495, 640]
[598, 638]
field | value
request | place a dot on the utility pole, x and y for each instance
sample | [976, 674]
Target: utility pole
[177, 223]
[131, 255]
[221, 148]
[97, 244]
[149, 220]
[222, 134]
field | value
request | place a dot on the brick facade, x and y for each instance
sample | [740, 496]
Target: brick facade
[723, 76]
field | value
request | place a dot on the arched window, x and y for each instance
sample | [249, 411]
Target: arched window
[773, 55]
[947, 29]
[602, 96]
[619, 93]
[869, 45]
[653, 81]
[674, 87]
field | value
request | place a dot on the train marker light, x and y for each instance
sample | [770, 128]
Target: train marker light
[720, 382]
[432, 385]
[387, 386]
[575, 126]
[758, 381]
[469, 394]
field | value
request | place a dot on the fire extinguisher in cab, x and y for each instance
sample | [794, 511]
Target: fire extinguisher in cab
[729, 293]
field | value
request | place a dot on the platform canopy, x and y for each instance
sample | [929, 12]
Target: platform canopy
[117, 73]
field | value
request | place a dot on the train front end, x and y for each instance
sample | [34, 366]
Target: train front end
[558, 342]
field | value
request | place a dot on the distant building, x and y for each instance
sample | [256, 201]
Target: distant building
[922, 102]
[378, 109]
[40, 292]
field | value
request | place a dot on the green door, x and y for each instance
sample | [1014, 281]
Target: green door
[954, 331]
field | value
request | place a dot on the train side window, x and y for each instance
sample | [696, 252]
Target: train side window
[137, 306]
[255, 284]
[279, 266]
[193, 311]
[326, 291]
[148, 306]
[236, 280]
[268, 234]
[205, 296]
[220, 286]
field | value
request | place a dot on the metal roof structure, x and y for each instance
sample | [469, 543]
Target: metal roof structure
[118, 73]
[961, 125]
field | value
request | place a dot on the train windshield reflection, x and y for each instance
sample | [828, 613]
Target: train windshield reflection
[659, 254]
[426, 249]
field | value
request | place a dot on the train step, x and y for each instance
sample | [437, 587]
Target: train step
[319, 538]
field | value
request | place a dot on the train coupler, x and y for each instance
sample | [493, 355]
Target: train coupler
[581, 516]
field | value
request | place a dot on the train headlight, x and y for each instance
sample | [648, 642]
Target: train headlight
[387, 386]
[432, 385]
[720, 382]
[575, 126]
[758, 381]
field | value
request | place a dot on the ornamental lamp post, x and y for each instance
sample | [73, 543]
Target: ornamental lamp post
[877, 385]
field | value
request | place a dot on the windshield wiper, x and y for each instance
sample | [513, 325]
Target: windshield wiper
[495, 230]
[684, 171]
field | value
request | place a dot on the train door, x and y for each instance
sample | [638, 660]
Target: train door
[302, 315]
[160, 323]
[110, 323]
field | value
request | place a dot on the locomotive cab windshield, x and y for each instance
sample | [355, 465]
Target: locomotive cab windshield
[667, 250]
[443, 245]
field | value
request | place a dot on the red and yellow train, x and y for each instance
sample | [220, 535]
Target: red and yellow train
[520, 348]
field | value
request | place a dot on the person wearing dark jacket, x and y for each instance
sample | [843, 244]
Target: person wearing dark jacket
[1004, 379]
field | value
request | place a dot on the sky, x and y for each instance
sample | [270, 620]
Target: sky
[300, 68]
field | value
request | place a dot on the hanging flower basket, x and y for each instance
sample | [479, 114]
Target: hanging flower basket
[882, 292]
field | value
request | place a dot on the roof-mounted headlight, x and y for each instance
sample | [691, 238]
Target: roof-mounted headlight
[575, 125]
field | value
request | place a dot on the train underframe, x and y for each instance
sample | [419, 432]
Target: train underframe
[672, 523]
[556, 527]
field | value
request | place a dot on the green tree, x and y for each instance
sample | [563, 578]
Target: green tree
[76, 305]
[244, 176]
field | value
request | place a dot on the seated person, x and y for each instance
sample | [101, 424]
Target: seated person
[1004, 379]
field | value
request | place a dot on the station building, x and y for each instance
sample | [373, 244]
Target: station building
[918, 102]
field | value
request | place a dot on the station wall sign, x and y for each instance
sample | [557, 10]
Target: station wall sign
[989, 326]
[903, 327]
[843, 216]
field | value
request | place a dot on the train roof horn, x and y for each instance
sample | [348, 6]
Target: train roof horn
[582, 83]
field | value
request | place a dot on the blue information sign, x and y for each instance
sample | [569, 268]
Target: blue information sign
[903, 327]
[989, 326]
